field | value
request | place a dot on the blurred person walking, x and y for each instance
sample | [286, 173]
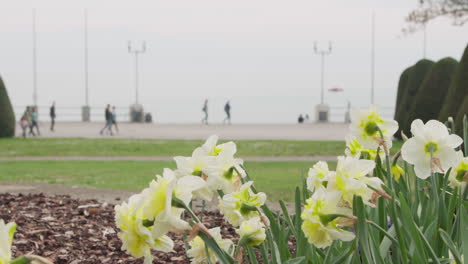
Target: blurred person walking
[114, 119]
[227, 109]
[205, 110]
[25, 121]
[35, 121]
[52, 117]
[108, 117]
[300, 119]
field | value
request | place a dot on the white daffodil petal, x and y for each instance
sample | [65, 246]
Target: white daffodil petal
[454, 141]
[164, 244]
[422, 170]
[417, 128]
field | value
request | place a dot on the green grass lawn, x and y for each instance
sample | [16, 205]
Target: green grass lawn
[277, 179]
[152, 147]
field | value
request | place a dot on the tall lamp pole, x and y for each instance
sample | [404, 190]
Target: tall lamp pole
[136, 52]
[322, 53]
[372, 58]
[86, 57]
[86, 109]
[34, 57]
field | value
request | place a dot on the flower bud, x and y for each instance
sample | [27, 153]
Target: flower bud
[397, 171]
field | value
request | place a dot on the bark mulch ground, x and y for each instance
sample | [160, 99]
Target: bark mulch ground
[67, 230]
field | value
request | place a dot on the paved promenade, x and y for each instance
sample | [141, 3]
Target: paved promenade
[310, 131]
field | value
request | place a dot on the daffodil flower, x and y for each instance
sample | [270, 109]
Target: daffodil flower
[196, 165]
[318, 177]
[198, 252]
[397, 171]
[157, 201]
[211, 148]
[431, 149]
[355, 149]
[321, 217]
[225, 173]
[458, 175]
[137, 239]
[251, 232]
[365, 126]
[7, 232]
[351, 178]
[241, 205]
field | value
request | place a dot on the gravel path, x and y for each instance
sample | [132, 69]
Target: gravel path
[159, 158]
[309, 131]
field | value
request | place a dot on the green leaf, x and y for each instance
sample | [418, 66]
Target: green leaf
[387, 242]
[252, 257]
[448, 241]
[264, 252]
[410, 225]
[287, 217]
[275, 255]
[362, 234]
[299, 260]
[21, 260]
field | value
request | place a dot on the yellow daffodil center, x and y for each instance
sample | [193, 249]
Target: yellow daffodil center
[370, 125]
[371, 128]
[431, 147]
[229, 173]
[354, 147]
[246, 203]
[197, 173]
[216, 150]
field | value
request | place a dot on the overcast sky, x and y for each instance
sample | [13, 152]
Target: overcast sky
[258, 52]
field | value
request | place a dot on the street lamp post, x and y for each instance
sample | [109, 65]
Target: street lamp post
[86, 109]
[372, 59]
[322, 109]
[136, 52]
[136, 110]
[34, 57]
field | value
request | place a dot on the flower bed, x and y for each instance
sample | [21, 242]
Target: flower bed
[55, 227]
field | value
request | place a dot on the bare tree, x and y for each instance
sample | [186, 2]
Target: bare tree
[456, 10]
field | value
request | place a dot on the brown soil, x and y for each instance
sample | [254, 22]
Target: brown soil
[67, 230]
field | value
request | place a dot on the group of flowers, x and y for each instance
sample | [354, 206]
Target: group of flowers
[148, 217]
[329, 209]
[212, 170]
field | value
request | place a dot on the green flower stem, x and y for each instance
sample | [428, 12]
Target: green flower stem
[176, 202]
[393, 210]
[209, 241]
[434, 186]
[383, 231]
[21, 260]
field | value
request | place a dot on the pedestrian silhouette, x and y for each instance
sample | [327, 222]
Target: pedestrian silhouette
[205, 110]
[114, 119]
[227, 109]
[108, 117]
[300, 120]
[35, 121]
[52, 117]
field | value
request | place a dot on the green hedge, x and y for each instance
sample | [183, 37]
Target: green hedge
[402, 84]
[430, 97]
[458, 90]
[416, 77]
[7, 116]
[463, 110]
